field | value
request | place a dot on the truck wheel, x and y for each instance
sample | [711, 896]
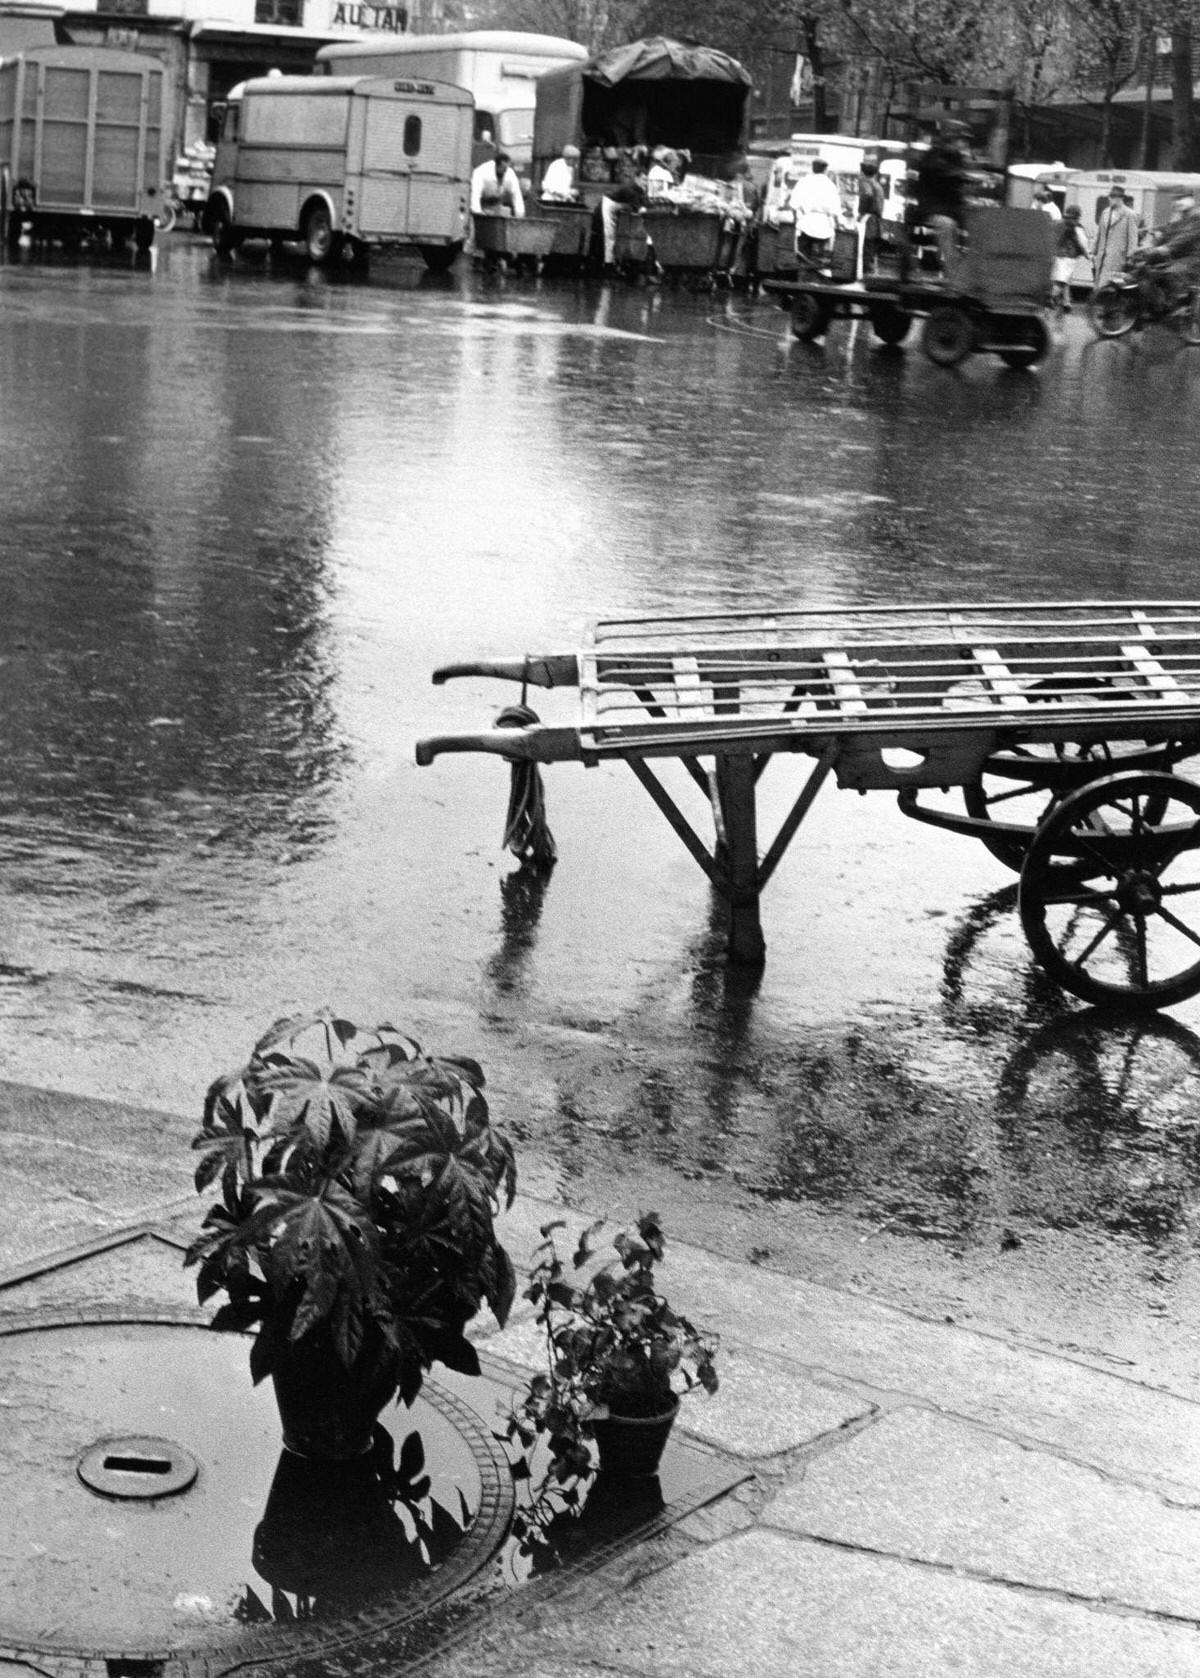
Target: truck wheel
[1035, 349]
[318, 234]
[439, 258]
[12, 230]
[810, 316]
[890, 323]
[166, 216]
[220, 227]
[949, 335]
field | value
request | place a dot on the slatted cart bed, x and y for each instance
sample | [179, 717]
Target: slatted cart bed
[1061, 724]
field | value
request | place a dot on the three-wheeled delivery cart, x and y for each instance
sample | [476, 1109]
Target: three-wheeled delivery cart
[993, 299]
[1061, 724]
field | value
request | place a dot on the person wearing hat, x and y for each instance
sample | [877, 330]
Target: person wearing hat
[660, 177]
[1044, 202]
[1069, 245]
[558, 183]
[1178, 248]
[940, 197]
[1116, 236]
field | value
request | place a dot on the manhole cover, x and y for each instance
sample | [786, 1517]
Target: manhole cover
[149, 1515]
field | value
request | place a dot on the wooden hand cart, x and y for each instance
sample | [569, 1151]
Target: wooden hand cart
[1061, 724]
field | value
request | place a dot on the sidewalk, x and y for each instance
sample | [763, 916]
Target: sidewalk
[921, 1498]
[925, 1500]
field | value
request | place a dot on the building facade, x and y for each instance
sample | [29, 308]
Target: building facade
[205, 55]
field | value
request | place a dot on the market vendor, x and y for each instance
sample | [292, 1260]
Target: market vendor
[660, 177]
[495, 189]
[559, 181]
[817, 205]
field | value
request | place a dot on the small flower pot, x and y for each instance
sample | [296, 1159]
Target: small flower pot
[631, 1447]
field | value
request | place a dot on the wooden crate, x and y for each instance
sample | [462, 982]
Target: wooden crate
[515, 235]
[683, 240]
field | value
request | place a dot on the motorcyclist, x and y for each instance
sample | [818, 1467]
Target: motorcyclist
[1178, 253]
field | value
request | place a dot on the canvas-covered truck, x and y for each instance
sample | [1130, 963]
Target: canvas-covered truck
[344, 164]
[81, 144]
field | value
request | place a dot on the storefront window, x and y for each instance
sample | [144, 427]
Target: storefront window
[287, 12]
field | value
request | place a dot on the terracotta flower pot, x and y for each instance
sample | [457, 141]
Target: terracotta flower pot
[631, 1447]
[327, 1410]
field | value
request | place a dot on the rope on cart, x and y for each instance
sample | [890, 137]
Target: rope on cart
[526, 831]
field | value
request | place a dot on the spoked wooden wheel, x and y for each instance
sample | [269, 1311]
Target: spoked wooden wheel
[1018, 787]
[1110, 891]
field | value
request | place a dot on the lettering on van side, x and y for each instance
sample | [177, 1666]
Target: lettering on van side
[386, 18]
[413, 87]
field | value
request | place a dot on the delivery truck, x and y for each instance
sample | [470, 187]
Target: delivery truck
[344, 165]
[81, 145]
[499, 68]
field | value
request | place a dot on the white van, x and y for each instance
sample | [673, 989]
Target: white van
[344, 163]
[499, 67]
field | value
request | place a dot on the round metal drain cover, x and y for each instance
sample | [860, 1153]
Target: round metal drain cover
[152, 1526]
[137, 1465]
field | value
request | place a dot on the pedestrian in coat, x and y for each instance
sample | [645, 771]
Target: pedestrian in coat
[1116, 237]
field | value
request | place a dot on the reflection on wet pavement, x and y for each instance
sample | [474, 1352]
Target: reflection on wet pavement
[249, 510]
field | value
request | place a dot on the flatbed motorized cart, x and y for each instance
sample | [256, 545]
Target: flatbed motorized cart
[1061, 725]
[993, 298]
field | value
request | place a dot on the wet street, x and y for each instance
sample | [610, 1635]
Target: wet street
[250, 508]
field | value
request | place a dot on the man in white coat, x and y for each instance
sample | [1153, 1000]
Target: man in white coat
[817, 205]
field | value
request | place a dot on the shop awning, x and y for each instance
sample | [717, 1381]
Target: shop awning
[216, 29]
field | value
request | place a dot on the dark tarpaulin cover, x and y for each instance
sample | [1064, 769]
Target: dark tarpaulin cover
[659, 59]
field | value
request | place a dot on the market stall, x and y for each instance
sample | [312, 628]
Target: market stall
[654, 93]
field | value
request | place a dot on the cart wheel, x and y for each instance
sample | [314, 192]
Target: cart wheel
[810, 316]
[949, 335]
[890, 323]
[1018, 788]
[1034, 350]
[1125, 931]
[1113, 311]
[1189, 318]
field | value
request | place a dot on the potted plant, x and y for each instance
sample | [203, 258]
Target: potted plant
[354, 1231]
[619, 1358]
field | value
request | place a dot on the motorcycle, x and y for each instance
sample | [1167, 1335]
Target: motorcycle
[1147, 292]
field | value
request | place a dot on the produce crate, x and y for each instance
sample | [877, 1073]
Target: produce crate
[843, 257]
[572, 228]
[515, 235]
[629, 245]
[776, 249]
[683, 240]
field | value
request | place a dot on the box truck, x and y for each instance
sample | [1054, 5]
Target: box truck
[81, 144]
[344, 164]
[499, 68]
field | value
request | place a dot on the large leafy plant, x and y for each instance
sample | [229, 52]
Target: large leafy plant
[358, 1183]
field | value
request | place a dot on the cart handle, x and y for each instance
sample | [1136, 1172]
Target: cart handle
[533, 745]
[553, 670]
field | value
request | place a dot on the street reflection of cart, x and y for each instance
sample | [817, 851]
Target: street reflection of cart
[1072, 715]
[991, 301]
